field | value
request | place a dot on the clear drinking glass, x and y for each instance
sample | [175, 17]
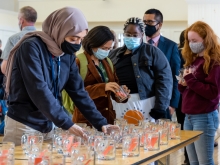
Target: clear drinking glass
[121, 94]
[77, 141]
[67, 142]
[59, 138]
[41, 157]
[105, 149]
[152, 141]
[83, 156]
[31, 142]
[117, 136]
[25, 140]
[131, 145]
[164, 136]
[175, 130]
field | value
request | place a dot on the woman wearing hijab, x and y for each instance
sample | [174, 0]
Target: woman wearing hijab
[40, 66]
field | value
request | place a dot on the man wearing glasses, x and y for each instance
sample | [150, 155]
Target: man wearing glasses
[153, 20]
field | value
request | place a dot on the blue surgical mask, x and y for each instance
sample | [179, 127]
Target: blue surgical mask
[132, 42]
[101, 54]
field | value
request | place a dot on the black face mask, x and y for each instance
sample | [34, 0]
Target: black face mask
[150, 30]
[70, 48]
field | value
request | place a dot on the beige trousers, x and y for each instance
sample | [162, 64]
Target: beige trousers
[14, 130]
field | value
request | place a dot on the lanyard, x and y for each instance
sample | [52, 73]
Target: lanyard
[55, 80]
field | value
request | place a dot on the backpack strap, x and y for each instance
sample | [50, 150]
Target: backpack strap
[83, 65]
[111, 64]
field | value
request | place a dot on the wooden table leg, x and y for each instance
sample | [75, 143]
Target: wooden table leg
[168, 160]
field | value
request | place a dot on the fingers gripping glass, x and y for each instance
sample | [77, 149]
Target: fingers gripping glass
[180, 76]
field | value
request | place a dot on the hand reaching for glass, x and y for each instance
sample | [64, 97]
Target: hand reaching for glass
[78, 131]
[107, 129]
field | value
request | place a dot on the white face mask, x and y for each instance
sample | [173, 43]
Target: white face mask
[101, 54]
[196, 47]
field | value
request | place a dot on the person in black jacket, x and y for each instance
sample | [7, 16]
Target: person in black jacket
[144, 69]
[40, 66]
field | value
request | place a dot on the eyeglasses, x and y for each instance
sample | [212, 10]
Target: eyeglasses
[149, 22]
[132, 35]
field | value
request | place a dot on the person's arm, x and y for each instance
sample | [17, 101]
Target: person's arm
[75, 88]
[163, 84]
[95, 90]
[208, 89]
[5, 54]
[29, 65]
[175, 67]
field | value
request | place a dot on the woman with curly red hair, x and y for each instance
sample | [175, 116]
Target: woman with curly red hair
[200, 88]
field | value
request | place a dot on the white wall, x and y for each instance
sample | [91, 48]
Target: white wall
[205, 10]
[8, 25]
[170, 29]
[113, 13]
[111, 10]
[10, 5]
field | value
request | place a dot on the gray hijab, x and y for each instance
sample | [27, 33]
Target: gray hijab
[62, 23]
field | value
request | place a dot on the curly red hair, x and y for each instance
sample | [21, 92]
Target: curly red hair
[212, 47]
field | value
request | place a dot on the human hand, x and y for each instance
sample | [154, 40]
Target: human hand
[182, 82]
[107, 129]
[172, 110]
[186, 72]
[112, 86]
[78, 131]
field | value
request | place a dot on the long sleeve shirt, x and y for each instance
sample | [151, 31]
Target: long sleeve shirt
[32, 98]
[201, 95]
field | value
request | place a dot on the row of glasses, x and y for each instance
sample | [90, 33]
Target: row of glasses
[64, 144]
[174, 128]
[103, 147]
[7, 153]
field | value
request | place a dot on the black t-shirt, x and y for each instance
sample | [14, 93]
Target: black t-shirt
[125, 72]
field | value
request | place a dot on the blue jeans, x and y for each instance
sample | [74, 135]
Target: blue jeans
[201, 151]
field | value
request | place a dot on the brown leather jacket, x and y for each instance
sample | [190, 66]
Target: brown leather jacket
[96, 89]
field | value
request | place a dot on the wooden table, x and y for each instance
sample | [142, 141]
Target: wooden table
[146, 157]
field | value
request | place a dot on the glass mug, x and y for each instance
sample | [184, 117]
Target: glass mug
[131, 145]
[31, 142]
[105, 149]
[121, 94]
[164, 136]
[175, 130]
[151, 140]
[41, 157]
[82, 156]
